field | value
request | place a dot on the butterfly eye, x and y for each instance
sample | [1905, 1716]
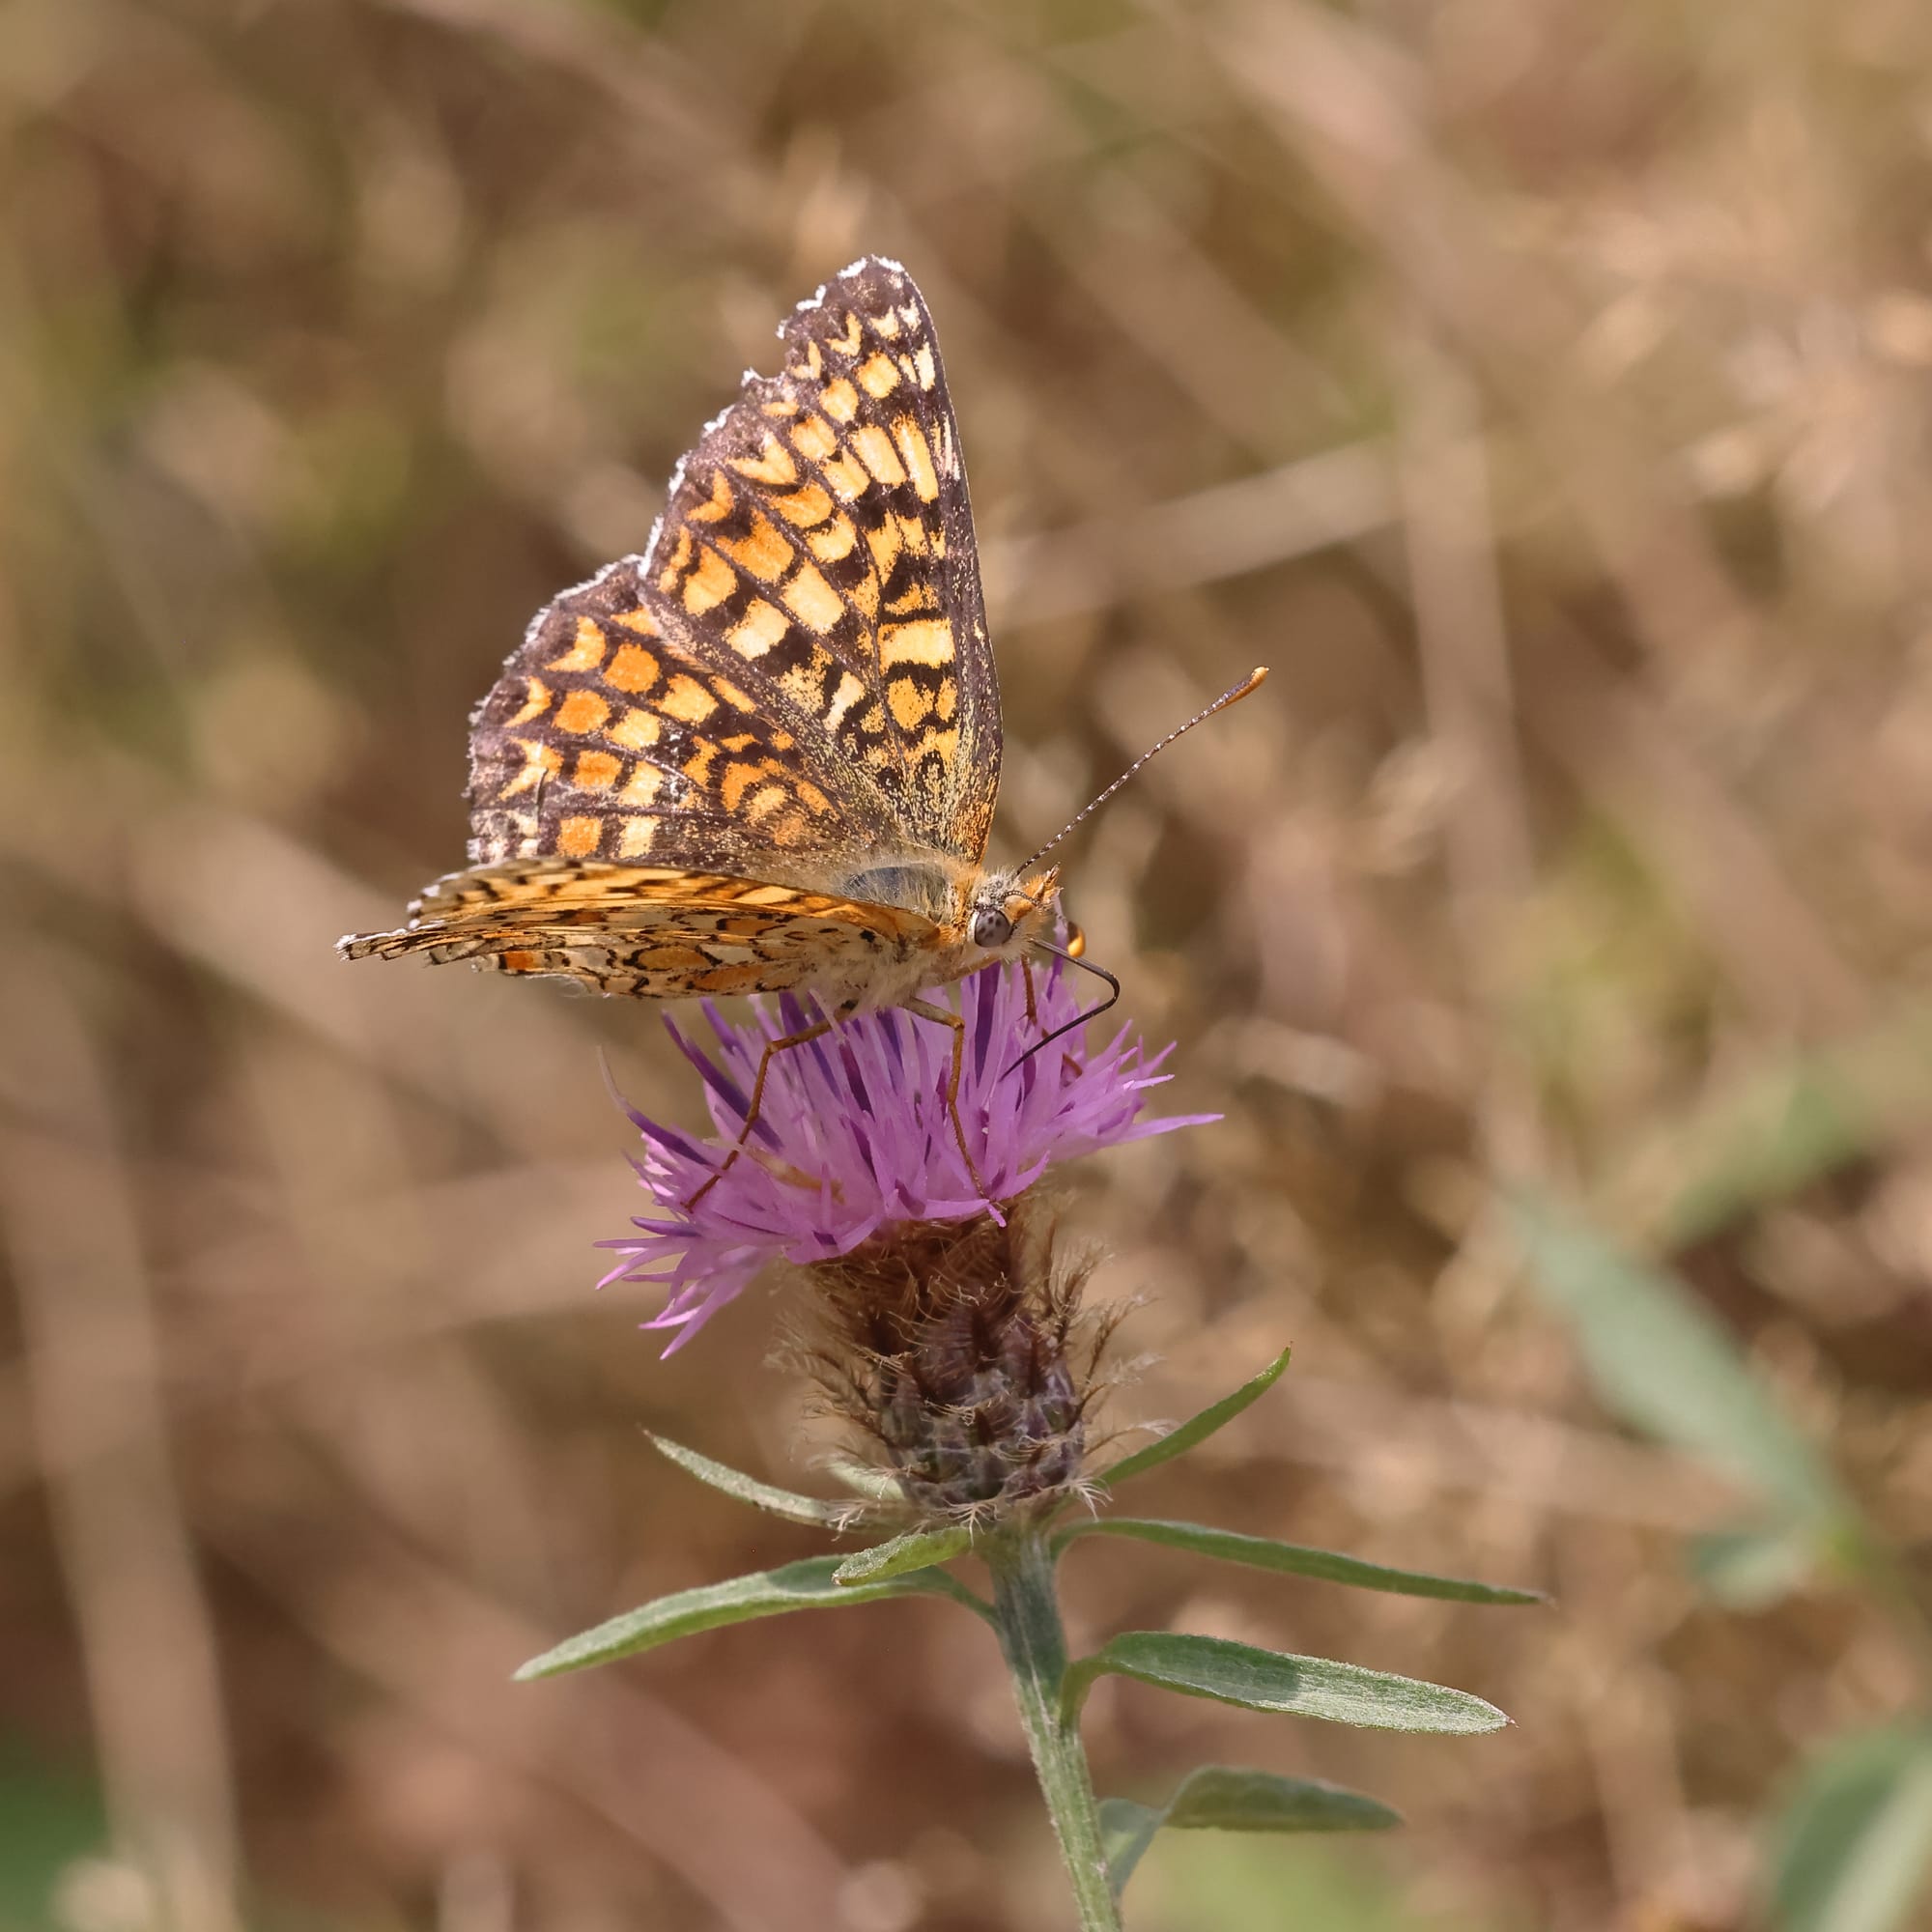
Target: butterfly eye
[991, 927]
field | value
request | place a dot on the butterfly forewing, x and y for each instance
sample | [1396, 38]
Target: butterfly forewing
[798, 671]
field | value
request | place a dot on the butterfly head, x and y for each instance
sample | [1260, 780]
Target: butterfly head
[1009, 911]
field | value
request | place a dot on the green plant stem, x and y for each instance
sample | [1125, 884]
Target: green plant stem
[1026, 1613]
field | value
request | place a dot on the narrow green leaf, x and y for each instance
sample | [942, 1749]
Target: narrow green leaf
[1259, 1552]
[1271, 1680]
[1197, 1428]
[916, 1549]
[766, 1593]
[749, 1489]
[1852, 1852]
[1221, 1797]
[1126, 1831]
[1667, 1366]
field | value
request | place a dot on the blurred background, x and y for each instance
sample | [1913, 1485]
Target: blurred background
[1539, 388]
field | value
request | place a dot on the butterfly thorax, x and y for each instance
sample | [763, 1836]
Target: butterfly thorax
[983, 917]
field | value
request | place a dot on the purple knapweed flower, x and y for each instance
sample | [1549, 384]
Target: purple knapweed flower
[854, 1136]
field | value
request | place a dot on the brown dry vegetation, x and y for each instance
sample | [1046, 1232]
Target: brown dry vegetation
[1540, 389]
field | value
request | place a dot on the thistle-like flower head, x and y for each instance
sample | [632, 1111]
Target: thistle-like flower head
[854, 1137]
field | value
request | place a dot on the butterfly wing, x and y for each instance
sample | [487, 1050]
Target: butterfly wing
[652, 932]
[794, 682]
[774, 737]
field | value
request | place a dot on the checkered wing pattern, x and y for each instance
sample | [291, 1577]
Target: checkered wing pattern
[793, 687]
[653, 932]
[798, 668]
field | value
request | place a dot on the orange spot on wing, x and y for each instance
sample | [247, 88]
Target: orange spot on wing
[761, 627]
[535, 703]
[644, 785]
[596, 771]
[917, 453]
[815, 439]
[719, 505]
[909, 703]
[804, 507]
[578, 837]
[874, 450]
[738, 779]
[773, 464]
[687, 700]
[709, 584]
[834, 541]
[876, 375]
[583, 711]
[764, 552]
[634, 669]
[672, 958]
[586, 649]
[812, 600]
[744, 979]
[839, 400]
[925, 643]
[540, 761]
[885, 543]
[638, 730]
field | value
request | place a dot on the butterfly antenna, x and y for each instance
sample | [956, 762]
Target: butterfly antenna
[1078, 1019]
[1251, 682]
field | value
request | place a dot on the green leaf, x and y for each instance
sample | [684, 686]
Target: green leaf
[1271, 1680]
[1668, 1367]
[916, 1549]
[1854, 1846]
[1220, 1798]
[1197, 1428]
[794, 1508]
[1126, 1831]
[1259, 1553]
[766, 1593]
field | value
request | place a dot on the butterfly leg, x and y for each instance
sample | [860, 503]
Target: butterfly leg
[927, 1011]
[773, 1048]
[1026, 975]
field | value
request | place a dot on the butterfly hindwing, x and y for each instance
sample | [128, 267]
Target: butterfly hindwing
[648, 931]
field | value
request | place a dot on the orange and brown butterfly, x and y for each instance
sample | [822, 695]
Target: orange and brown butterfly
[764, 755]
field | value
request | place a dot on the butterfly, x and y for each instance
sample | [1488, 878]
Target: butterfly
[763, 755]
